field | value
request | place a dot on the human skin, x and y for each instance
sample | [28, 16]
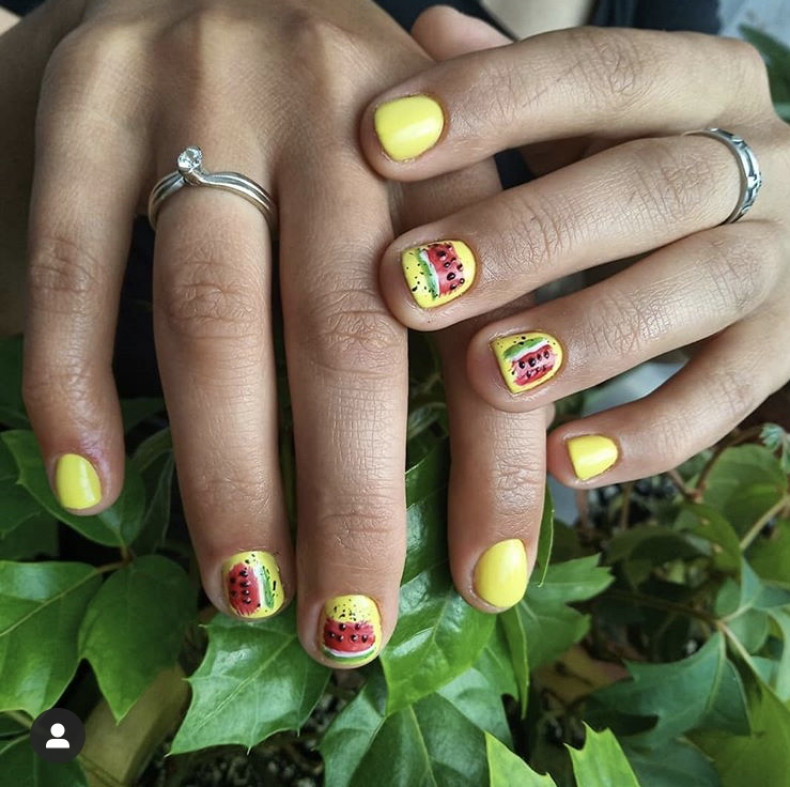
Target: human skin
[274, 91]
[624, 182]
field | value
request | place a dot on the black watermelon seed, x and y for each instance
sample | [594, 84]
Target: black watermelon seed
[342, 626]
[364, 637]
[354, 637]
[274, 585]
[357, 626]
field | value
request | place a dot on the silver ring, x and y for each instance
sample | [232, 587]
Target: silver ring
[191, 173]
[751, 177]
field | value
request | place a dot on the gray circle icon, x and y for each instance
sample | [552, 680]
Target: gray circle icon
[57, 735]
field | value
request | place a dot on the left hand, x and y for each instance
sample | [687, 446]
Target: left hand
[623, 181]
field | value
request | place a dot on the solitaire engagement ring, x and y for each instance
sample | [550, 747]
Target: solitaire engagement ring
[191, 173]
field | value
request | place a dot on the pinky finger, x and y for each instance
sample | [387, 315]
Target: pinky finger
[725, 381]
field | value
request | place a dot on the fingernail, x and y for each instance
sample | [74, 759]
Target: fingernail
[350, 629]
[591, 455]
[408, 126]
[501, 574]
[527, 360]
[438, 272]
[253, 585]
[77, 484]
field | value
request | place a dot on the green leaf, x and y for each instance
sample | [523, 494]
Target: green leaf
[496, 664]
[18, 507]
[707, 523]
[152, 449]
[601, 762]
[703, 690]
[506, 769]
[763, 756]
[41, 608]
[745, 482]
[134, 627]
[437, 741]
[158, 480]
[770, 557]
[135, 411]
[255, 680]
[117, 526]
[676, 764]
[26, 530]
[438, 635]
[20, 766]
[12, 409]
[549, 625]
[546, 538]
[516, 633]
[781, 684]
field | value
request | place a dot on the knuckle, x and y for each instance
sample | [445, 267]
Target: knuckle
[72, 382]
[749, 70]
[613, 65]
[351, 333]
[204, 298]
[734, 395]
[669, 186]
[738, 272]
[64, 277]
[362, 529]
[536, 237]
[624, 325]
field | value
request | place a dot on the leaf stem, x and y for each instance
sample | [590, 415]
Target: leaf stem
[758, 526]
[734, 440]
[625, 511]
[677, 479]
[105, 569]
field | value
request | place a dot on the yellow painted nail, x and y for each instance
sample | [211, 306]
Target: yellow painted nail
[501, 574]
[350, 630]
[591, 455]
[438, 272]
[77, 484]
[252, 584]
[408, 126]
[527, 360]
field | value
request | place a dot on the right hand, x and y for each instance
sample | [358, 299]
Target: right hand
[273, 91]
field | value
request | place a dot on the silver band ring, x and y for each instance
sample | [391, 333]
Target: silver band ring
[751, 177]
[191, 173]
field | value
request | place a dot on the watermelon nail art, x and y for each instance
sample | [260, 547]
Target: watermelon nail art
[438, 272]
[252, 584]
[527, 360]
[350, 630]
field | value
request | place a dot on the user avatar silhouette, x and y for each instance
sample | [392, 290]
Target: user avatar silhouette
[57, 741]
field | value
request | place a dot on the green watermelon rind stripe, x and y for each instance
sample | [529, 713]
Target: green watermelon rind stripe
[268, 591]
[517, 350]
[428, 272]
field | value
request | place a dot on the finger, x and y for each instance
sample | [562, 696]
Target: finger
[212, 321]
[445, 33]
[713, 393]
[347, 370]
[559, 85]
[680, 294]
[622, 202]
[497, 476]
[83, 204]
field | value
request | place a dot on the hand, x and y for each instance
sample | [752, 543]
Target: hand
[273, 91]
[623, 181]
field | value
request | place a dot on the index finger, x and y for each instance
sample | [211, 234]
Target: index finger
[568, 83]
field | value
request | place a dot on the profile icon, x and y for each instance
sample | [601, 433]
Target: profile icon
[57, 741]
[57, 735]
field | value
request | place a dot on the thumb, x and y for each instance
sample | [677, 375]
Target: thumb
[445, 33]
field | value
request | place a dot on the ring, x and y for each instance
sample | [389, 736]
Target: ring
[191, 173]
[751, 177]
